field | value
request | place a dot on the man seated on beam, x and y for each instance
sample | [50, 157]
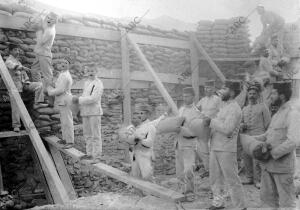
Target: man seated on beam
[21, 80]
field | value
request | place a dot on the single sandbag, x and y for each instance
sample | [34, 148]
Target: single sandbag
[169, 125]
[249, 143]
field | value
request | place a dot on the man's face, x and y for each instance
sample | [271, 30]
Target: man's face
[63, 65]
[188, 98]
[275, 99]
[91, 72]
[209, 91]
[225, 93]
[260, 10]
[252, 95]
[15, 52]
[141, 116]
[274, 42]
[50, 21]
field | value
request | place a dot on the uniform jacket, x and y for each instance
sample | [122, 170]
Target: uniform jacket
[257, 118]
[45, 41]
[189, 112]
[19, 77]
[90, 101]
[225, 127]
[210, 105]
[283, 134]
[62, 90]
[148, 132]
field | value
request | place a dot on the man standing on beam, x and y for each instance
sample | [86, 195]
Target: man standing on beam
[223, 166]
[45, 35]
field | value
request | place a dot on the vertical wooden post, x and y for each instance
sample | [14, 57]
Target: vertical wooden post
[125, 78]
[195, 70]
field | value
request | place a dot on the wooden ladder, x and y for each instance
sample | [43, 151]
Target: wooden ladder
[51, 168]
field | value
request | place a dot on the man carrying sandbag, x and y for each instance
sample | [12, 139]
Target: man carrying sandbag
[223, 166]
[255, 121]
[209, 106]
[278, 155]
[185, 146]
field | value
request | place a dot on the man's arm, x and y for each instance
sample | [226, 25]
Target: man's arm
[95, 95]
[60, 87]
[230, 124]
[47, 36]
[293, 135]
[148, 141]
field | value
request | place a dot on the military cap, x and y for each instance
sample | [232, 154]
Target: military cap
[188, 90]
[234, 85]
[255, 85]
[144, 107]
[282, 85]
[53, 15]
[67, 58]
[209, 83]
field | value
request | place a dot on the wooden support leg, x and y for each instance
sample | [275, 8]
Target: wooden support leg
[40, 172]
[62, 172]
[1, 181]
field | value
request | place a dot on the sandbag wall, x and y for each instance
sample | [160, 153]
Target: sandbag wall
[221, 41]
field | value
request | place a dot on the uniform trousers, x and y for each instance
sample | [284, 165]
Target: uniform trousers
[92, 135]
[43, 64]
[223, 170]
[67, 126]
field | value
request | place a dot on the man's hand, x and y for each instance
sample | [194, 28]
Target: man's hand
[262, 152]
[243, 127]
[75, 100]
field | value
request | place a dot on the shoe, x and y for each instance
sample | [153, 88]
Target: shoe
[247, 181]
[205, 174]
[216, 207]
[68, 146]
[62, 142]
[86, 157]
[17, 129]
[96, 160]
[189, 197]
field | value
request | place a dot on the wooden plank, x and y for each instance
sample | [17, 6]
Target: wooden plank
[147, 187]
[160, 41]
[40, 172]
[1, 180]
[232, 59]
[157, 81]
[62, 171]
[195, 70]
[57, 189]
[125, 79]
[6, 134]
[212, 64]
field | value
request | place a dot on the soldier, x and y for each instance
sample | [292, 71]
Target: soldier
[144, 136]
[223, 148]
[209, 106]
[21, 80]
[272, 24]
[278, 166]
[63, 99]
[45, 33]
[255, 121]
[185, 147]
[91, 111]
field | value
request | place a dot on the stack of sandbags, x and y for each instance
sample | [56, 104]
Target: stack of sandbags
[218, 34]
[46, 118]
[18, 10]
[291, 40]
[237, 40]
[203, 34]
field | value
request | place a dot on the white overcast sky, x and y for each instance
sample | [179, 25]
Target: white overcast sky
[185, 10]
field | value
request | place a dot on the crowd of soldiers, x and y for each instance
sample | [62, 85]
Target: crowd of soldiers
[270, 167]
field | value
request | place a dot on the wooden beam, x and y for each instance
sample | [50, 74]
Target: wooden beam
[232, 59]
[57, 189]
[160, 41]
[212, 64]
[148, 187]
[125, 79]
[195, 70]
[62, 171]
[157, 81]
[6, 134]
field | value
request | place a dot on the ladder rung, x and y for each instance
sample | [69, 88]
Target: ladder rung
[6, 134]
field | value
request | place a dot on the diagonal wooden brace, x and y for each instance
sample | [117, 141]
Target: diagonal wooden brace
[57, 189]
[202, 51]
[157, 81]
